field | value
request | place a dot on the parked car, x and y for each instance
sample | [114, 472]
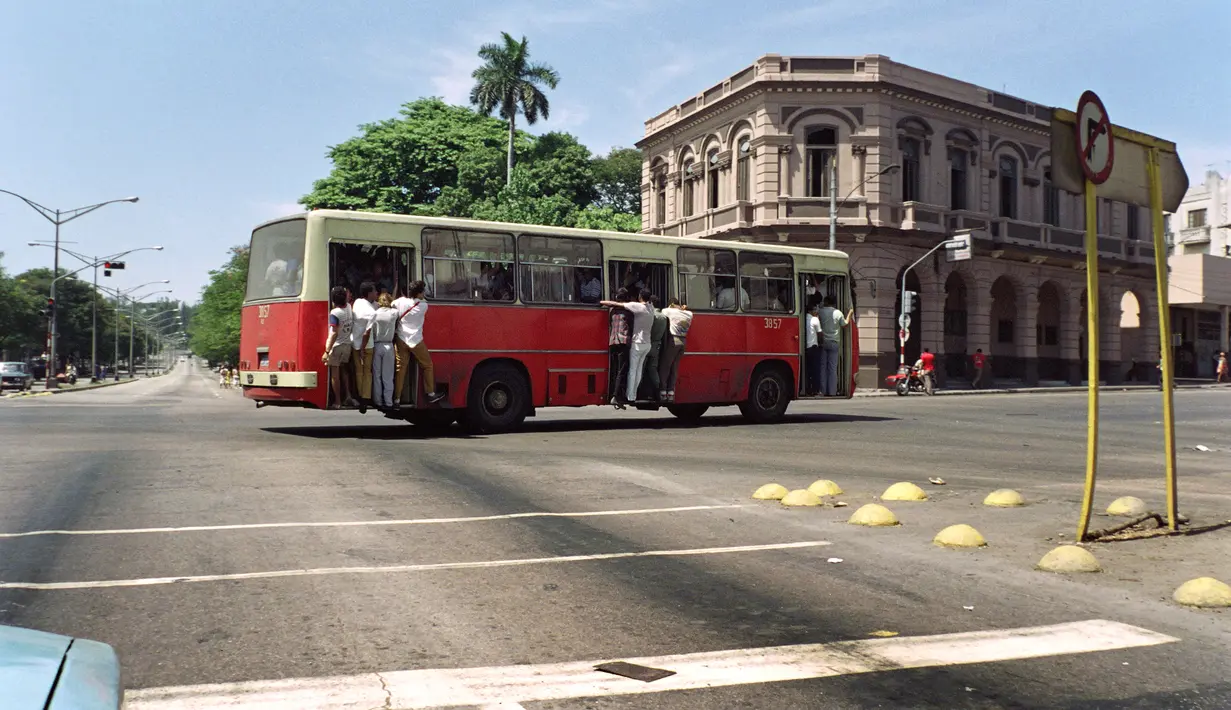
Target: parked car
[44, 671]
[15, 375]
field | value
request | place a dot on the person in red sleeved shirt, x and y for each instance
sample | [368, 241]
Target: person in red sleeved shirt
[925, 366]
[980, 362]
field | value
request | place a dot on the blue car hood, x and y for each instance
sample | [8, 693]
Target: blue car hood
[44, 671]
[29, 663]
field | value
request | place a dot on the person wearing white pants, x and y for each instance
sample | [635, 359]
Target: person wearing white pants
[643, 319]
[381, 329]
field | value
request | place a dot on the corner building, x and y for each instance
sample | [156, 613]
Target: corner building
[750, 159]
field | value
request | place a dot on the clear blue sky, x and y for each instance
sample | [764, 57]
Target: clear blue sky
[218, 113]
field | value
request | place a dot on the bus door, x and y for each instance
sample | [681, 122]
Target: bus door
[812, 288]
[390, 267]
[637, 277]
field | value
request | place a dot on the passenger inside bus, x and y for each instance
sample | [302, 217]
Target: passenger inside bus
[352, 264]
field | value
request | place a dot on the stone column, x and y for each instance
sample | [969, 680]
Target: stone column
[1028, 349]
[1111, 358]
[1071, 326]
[933, 330]
[1222, 328]
[979, 320]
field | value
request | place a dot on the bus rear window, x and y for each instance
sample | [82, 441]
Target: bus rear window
[275, 265]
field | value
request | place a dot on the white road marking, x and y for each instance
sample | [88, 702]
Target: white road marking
[369, 523]
[389, 569]
[423, 689]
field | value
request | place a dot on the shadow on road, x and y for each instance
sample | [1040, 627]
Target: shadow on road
[381, 430]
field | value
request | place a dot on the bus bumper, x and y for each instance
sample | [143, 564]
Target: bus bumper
[264, 378]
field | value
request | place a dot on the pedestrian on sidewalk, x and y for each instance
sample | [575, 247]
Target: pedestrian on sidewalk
[1223, 374]
[979, 360]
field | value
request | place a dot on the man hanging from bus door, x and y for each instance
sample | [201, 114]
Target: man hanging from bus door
[639, 342]
[363, 311]
[382, 330]
[338, 344]
[832, 323]
[679, 320]
[412, 311]
[812, 351]
[651, 381]
[617, 345]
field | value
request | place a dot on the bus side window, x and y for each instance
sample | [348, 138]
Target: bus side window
[707, 279]
[560, 269]
[767, 279]
[463, 265]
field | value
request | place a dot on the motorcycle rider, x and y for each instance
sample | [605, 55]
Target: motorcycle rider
[925, 369]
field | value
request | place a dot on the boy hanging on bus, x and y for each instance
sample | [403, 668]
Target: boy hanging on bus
[679, 320]
[412, 310]
[617, 343]
[338, 344]
[639, 342]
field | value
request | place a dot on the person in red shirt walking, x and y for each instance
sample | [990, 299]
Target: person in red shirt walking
[980, 362]
[927, 368]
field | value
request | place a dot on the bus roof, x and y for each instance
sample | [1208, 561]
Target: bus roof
[463, 223]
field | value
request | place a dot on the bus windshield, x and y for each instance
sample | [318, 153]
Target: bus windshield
[275, 266]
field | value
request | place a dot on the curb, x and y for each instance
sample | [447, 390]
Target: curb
[76, 388]
[1033, 390]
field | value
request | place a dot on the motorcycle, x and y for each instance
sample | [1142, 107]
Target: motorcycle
[910, 379]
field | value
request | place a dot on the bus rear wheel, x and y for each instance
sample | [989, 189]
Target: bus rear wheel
[687, 412]
[768, 396]
[497, 400]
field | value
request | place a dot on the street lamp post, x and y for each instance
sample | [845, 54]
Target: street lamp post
[119, 303]
[833, 195]
[59, 217]
[95, 262]
[132, 319]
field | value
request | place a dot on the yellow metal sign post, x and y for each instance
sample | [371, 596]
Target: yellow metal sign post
[1164, 330]
[1148, 172]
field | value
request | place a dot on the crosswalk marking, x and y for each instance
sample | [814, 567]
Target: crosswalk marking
[486, 687]
[392, 569]
[373, 523]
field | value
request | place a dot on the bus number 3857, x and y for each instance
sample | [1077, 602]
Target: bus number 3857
[773, 323]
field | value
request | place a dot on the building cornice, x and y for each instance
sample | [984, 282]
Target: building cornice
[845, 88]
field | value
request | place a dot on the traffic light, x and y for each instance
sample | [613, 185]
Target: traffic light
[908, 301]
[109, 265]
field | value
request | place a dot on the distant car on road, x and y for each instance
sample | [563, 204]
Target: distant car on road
[15, 375]
[41, 671]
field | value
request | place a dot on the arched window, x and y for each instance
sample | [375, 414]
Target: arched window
[711, 179]
[1008, 187]
[910, 169]
[689, 177]
[743, 169]
[959, 189]
[1051, 200]
[660, 198]
[821, 155]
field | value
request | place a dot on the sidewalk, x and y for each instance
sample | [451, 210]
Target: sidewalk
[1047, 389]
[40, 391]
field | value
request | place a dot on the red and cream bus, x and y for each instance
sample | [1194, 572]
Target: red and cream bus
[514, 323]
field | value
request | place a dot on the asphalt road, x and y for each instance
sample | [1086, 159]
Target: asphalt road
[365, 562]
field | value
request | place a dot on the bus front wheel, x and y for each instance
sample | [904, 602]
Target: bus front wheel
[768, 396]
[497, 400]
[687, 412]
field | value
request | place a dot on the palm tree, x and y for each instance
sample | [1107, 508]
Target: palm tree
[508, 81]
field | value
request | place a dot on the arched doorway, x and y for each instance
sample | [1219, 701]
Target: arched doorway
[1004, 324]
[1132, 337]
[914, 344]
[1047, 333]
[956, 310]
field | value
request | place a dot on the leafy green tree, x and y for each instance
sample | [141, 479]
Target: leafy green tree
[19, 318]
[404, 164]
[214, 330]
[509, 81]
[617, 179]
[595, 217]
